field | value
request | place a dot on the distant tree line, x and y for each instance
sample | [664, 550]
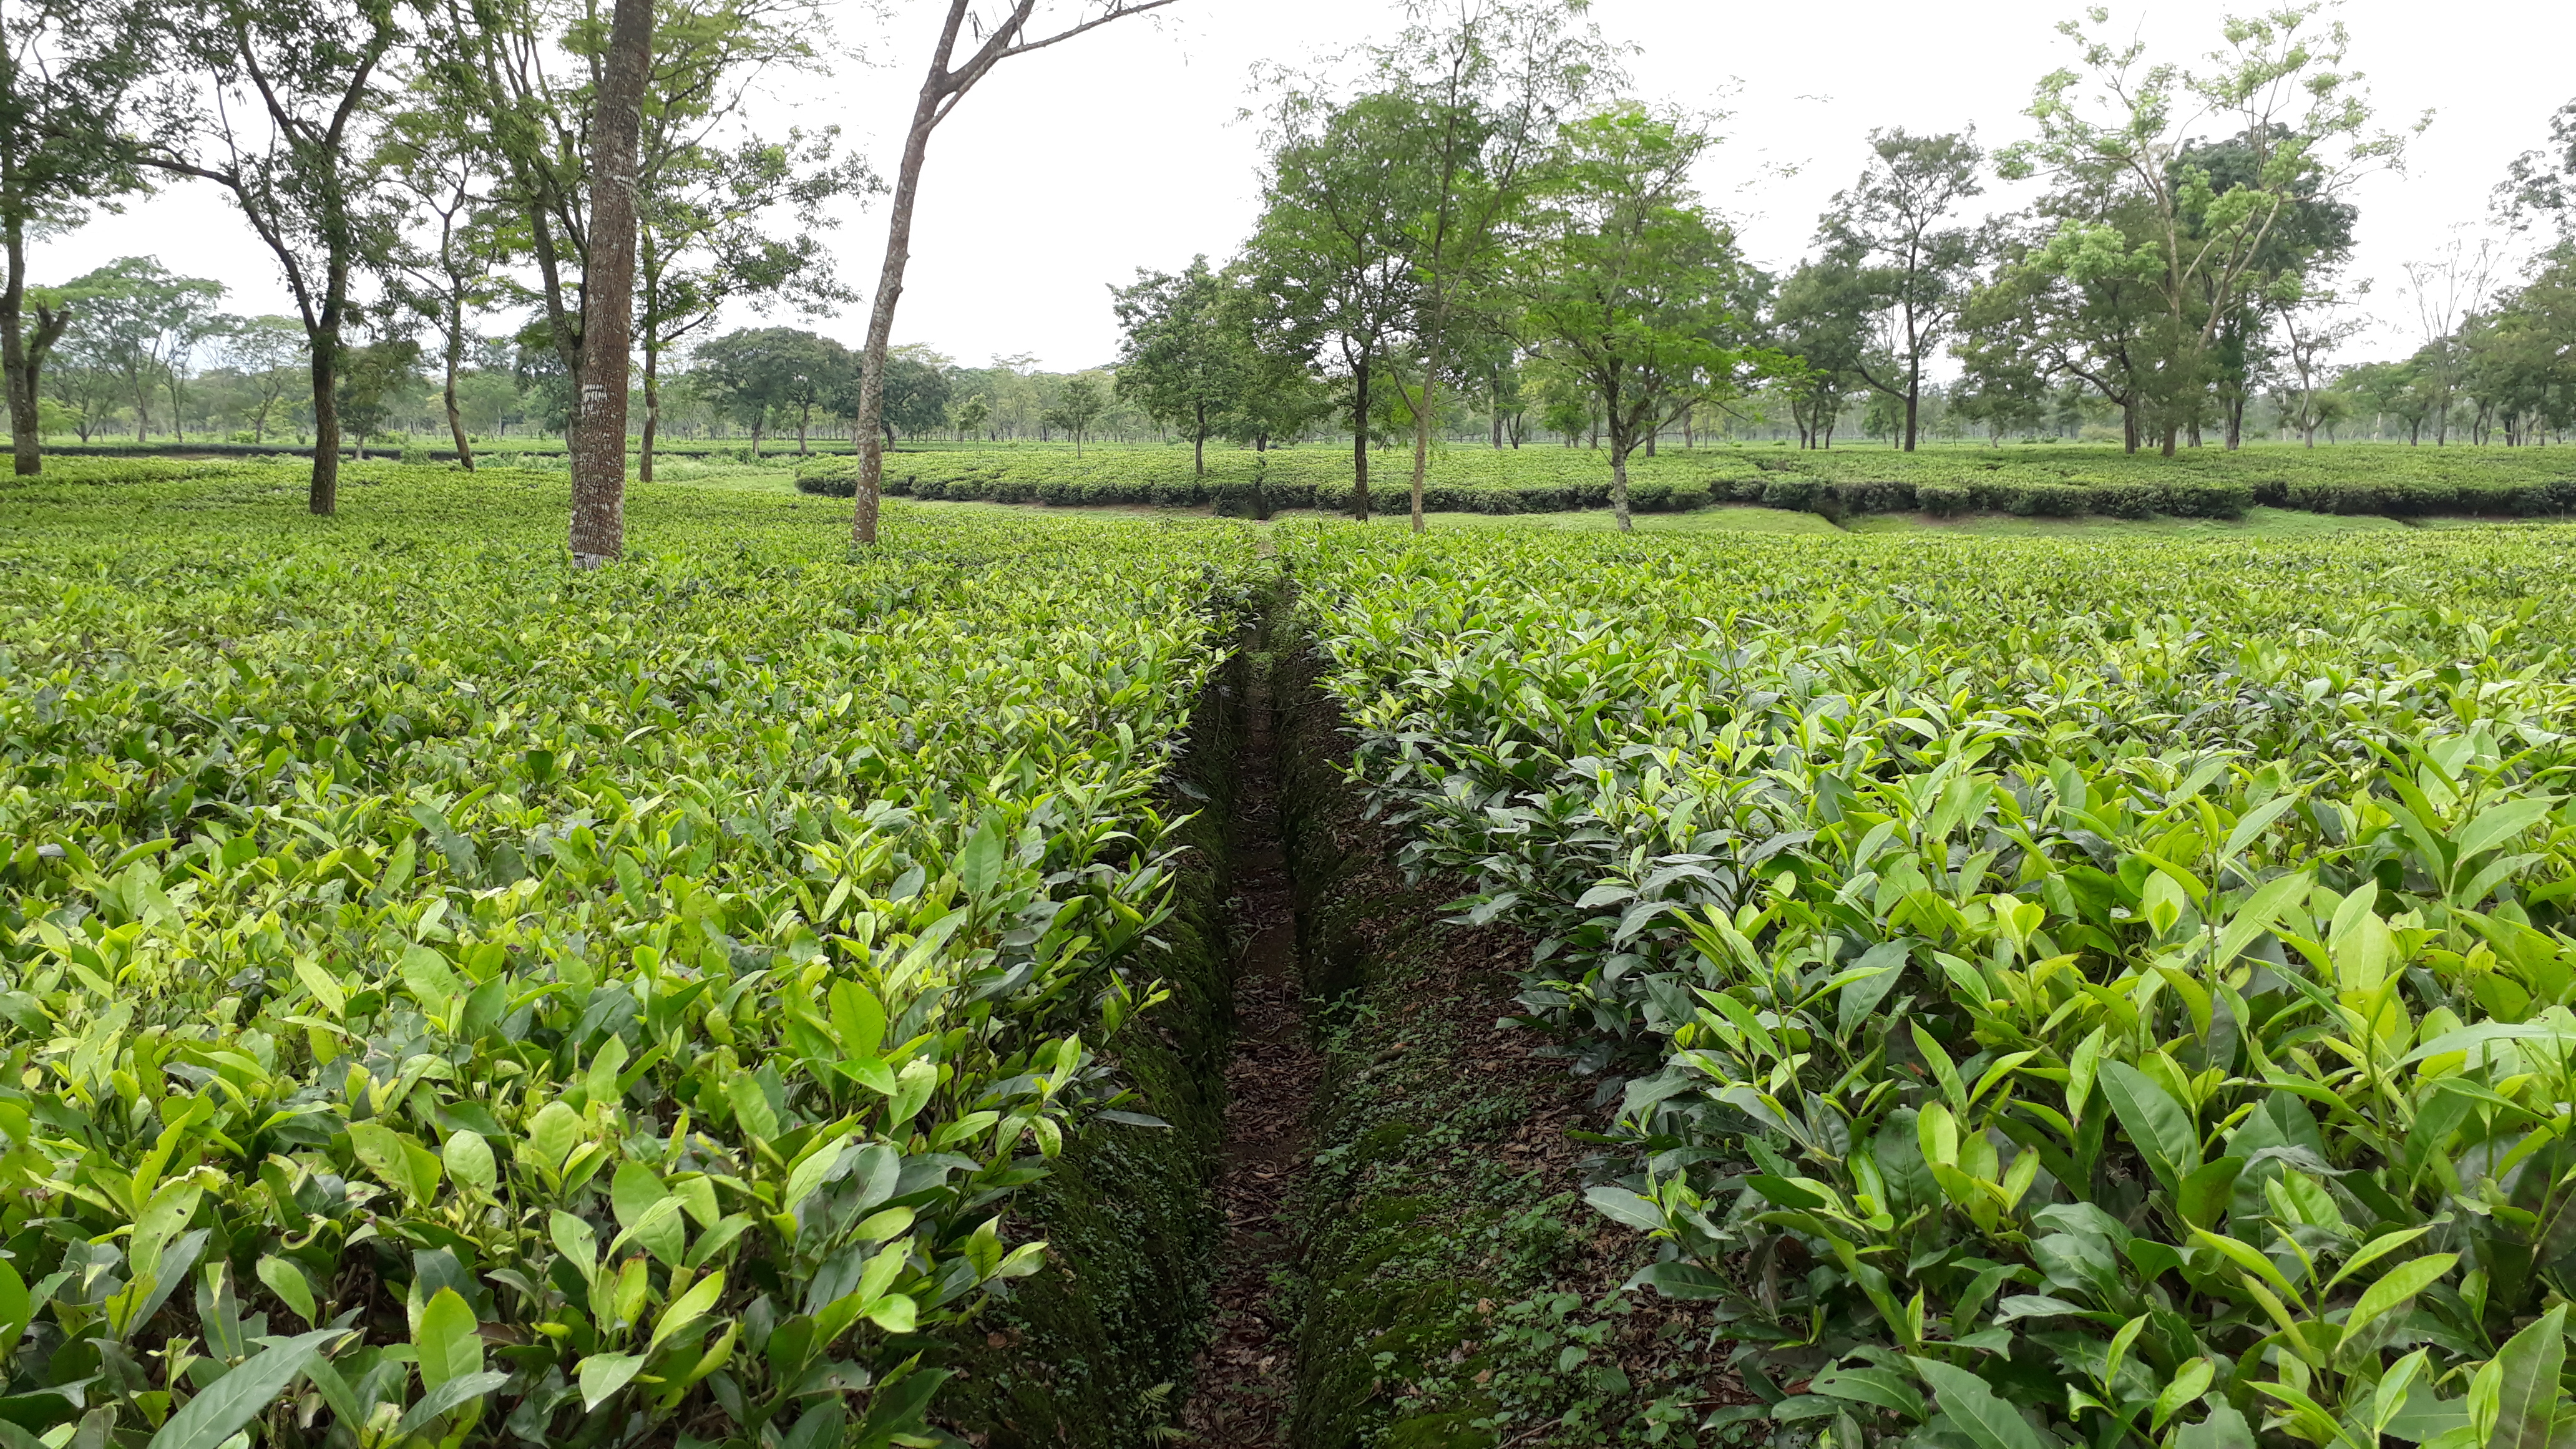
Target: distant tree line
[1471, 228]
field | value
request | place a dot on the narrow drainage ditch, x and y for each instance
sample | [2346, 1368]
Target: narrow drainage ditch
[1240, 1392]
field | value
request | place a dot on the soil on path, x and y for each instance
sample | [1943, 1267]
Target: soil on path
[1240, 1395]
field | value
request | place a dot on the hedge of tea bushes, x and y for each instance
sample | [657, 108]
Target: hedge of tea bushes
[447, 998]
[2048, 993]
[2060, 481]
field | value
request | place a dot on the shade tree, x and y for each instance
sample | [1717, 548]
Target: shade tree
[2122, 139]
[264, 351]
[1911, 262]
[1006, 31]
[1178, 359]
[1077, 407]
[138, 322]
[1475, 99]
[754, 374]
[707, 241]
[1328, 257]
[1622, 277]
[75, 92]
[287, 133]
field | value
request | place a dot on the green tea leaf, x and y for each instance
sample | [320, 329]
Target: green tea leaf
[290, 1285]
[242, 1395]
[2207, 1192]
[751, 1108]
[688, 1308]
[468, 1159]
[2529, 1398]
[979, 865]
[2154, 1121]
[602, 1374]
[1621, 1205]
[447, 1341]
[446, 1399]
[1880, 1387]
[1986, 1420]
[2399, 1284]
[2224, 1428]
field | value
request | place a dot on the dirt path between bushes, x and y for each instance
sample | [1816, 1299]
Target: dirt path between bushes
[1240, 1396]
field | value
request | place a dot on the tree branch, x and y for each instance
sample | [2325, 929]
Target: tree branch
[1119, 11]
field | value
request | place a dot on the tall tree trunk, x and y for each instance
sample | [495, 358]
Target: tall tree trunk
[2128, 427]
[652, 403]
[872, 357]
[22, 355]
[456, 359]
[1619, 481]
[1198, 440]
[649, 272]
[804, 420]
[1495, 393]
[1913, 407]
[1359, 440]
[1422, 426]
[323, 497]
[598, 441]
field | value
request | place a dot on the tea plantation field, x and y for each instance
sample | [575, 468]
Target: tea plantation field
[2044, 992]
[459, 1000]
[2042, 481]
[2030, 991]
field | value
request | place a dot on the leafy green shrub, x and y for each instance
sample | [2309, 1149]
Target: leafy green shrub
[521, 1003]
[1241, 500]
[1795, 494]
[2195, 499]
[2045, 500]
[2126, 500]
[2042, 986]
[1944, 500]
[1874, 496]
[829, 478]
[2540, 498]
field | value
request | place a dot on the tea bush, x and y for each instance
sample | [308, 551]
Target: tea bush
[2056, 481]
[454, 999]
[2051, 993]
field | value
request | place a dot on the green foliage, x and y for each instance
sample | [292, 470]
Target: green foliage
[2062, 480]
[1624, 279]
[577, 1006]
[2102, 993]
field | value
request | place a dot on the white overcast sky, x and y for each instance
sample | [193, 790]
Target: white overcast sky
[1069, 169]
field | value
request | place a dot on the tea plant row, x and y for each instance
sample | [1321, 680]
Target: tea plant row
[2049, 481]
[450, 999]
[2114, 994]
